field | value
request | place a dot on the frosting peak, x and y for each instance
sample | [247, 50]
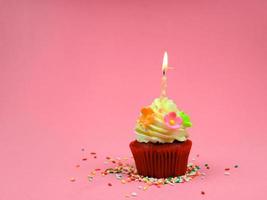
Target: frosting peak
[162, 122]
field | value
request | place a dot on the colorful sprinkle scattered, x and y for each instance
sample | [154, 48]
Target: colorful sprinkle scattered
[109, 184]
[84, 159]
[95, 156]
[82, 149]
[202, 192]
[236, 166]
[127, 173]
[227, 169]
[93, 153]
[77, 166]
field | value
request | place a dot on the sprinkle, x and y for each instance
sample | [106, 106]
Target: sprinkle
[236, 166]
[134, 194]
[72, 179]
[90, 178]
[206, 165]
[227, 169]
[202, 192]
[127, 173]
[84, 159]
[77, 166]
[93, 153]
[82, 149]
[97, 169]
[197, 155]
[193, 159]
[95, 156]
[140, 187]
[118, 176]
[93, 173]
[145, 188]
[227, 173]
[109, 184]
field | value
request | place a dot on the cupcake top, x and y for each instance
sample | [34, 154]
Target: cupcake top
[162, 122]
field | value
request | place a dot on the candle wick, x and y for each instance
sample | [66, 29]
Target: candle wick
[164, 72]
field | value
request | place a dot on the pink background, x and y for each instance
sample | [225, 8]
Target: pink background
[74, 74]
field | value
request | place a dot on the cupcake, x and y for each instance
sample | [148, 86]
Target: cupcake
[162, 147]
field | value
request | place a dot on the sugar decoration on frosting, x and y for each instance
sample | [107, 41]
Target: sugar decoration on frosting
[147, 117]
[173, 121]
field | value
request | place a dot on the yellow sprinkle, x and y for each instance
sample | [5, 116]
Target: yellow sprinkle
[145, 188]
[93, 172]
[123, 181]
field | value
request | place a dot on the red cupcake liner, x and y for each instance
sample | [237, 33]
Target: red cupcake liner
[161, 160]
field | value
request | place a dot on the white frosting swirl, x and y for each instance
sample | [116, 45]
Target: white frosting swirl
[157, 130]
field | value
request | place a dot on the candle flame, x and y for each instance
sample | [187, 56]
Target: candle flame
[165, 63]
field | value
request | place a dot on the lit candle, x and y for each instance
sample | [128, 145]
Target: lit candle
[163, 92]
